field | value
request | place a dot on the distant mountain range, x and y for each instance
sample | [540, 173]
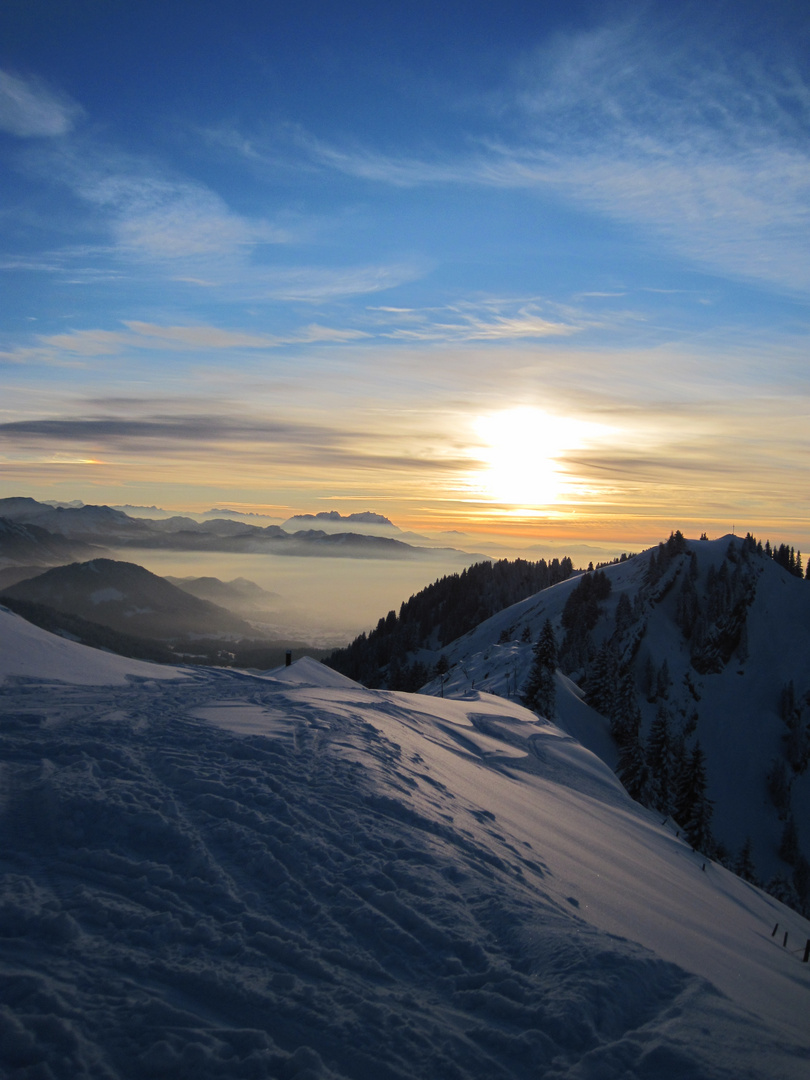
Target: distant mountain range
[25, 548]
[354, 536]
[239, 595]
[334, 517]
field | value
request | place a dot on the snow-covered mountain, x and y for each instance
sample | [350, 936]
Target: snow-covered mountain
[212, 874]
[712, 634]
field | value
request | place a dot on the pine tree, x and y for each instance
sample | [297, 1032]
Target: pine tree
[648, 680]
[540, 692]
[663, 681]
[661, 759]
[624, 613]
[625, 715]
[789, 844]
[601, 687]
[744, 863]
[779, 786]
[693, 808]
[633, 771]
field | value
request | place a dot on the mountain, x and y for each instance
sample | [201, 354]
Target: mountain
[240, 594]
[31, 545]
[332, 520]
[709, 639]
[128, 599]
[215, 874]
[116, 529]
[83, 523]
[390, 655]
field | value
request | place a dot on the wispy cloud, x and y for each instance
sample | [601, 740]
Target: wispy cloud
[31, 110]
[316, 284]
[486, 321]
[163, 218]
[210, 427]
[187, 231]
[222, 439]
[92, 343]
[655, 129]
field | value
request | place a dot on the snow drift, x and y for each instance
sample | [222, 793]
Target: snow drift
[209, 873]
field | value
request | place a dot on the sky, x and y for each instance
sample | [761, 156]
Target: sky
[540, 271]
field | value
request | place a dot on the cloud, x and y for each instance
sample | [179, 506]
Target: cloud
[152, 213]
[652, 127]
[204, 428]
[145, 335]
[66, 347]
[473, 324]
[161, 218]
[233, 442]
[150, 335]
[31, 110]
[316, 333]
[314, 284]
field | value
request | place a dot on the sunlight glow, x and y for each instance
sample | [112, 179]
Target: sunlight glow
[521, 455]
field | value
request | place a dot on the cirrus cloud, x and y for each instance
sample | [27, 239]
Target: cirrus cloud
[31, 110]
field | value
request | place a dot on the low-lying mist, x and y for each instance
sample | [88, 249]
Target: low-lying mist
[324, 601]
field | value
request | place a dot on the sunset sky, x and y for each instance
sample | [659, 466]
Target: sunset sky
[529, 266]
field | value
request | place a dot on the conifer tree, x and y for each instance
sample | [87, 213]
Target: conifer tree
[540, 692]
[633, 771]
[789, 844]
[624, 613]
[779, 786]
[663, 680]
[744, 863]
[661, 760]
[601, 689]
[625, 715]
[693, 808]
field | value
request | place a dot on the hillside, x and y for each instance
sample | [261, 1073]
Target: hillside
[210, 874]
[32, 546]
[389, 656]
[239, 595]
[129, 599]
[709, 635]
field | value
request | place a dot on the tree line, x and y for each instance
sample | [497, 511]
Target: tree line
[438, 614]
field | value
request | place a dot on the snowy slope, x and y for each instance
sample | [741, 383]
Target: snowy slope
[735, 708]
[288, 875]
[27, 652]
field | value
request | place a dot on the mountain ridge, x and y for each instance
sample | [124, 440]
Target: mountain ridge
[127, 598]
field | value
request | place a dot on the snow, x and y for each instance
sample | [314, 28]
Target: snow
[212, 873]
[31, 653]
[740, 728]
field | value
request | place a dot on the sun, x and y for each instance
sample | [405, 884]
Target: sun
[520, 454]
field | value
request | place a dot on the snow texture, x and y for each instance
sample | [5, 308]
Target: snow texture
[214, 874]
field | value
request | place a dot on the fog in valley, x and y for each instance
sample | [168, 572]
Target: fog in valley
[323, 601]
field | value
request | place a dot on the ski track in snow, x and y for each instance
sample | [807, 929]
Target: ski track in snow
[227, 875]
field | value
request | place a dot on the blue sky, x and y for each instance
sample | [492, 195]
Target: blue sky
[379, 256]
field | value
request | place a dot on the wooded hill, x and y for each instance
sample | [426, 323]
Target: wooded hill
[437, 615]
